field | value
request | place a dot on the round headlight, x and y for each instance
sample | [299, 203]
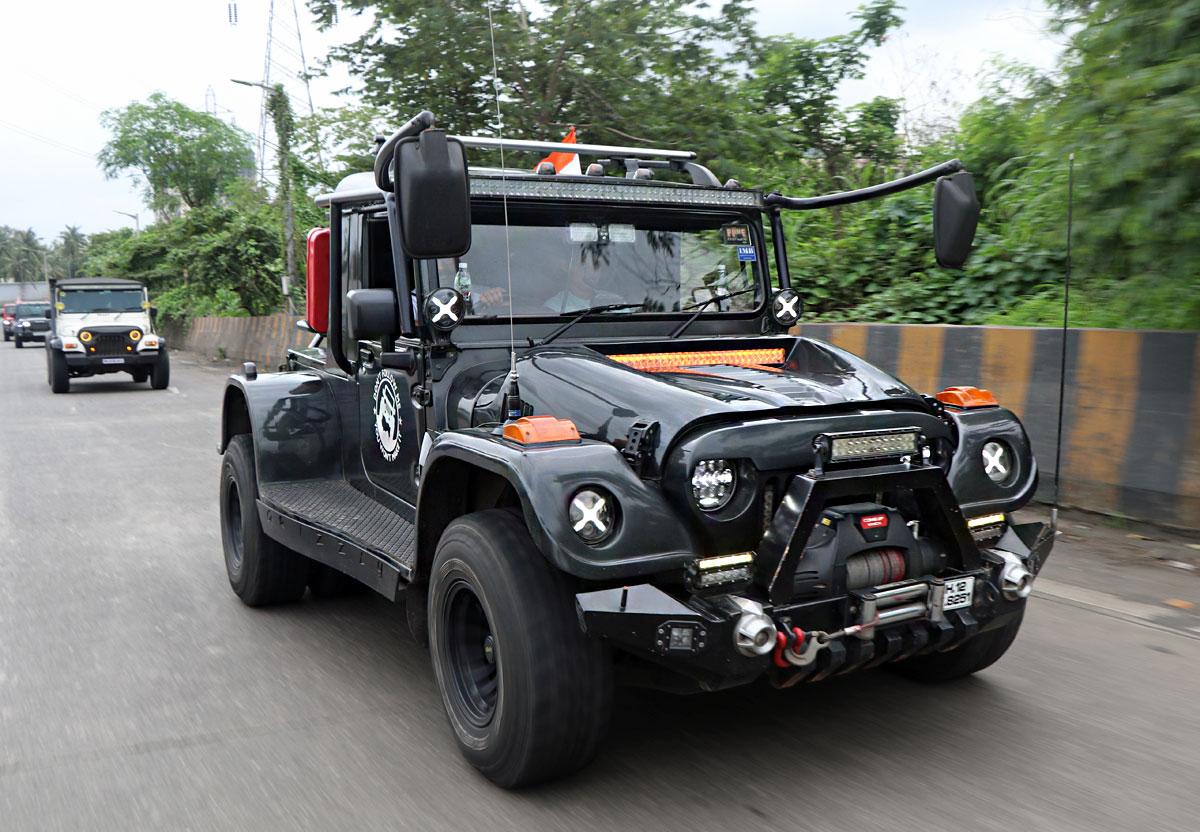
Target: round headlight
[85, 336]
[997, 461]
[135, 335]
[713, 482]
[591, 514]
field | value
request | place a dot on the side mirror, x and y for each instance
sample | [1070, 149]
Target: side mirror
[49, 313]
[372, 314]
[955, 215]
[433, 196]
[316, 294]
[154, 314]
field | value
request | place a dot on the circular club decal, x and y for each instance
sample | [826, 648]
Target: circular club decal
[387, 416]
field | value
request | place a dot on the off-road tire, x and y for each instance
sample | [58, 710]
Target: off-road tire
[8, 336]
[551, 685]
[139, 374]
[56, 367]
[160, 373]
[261, 570]
[20, 341]
[980, 652]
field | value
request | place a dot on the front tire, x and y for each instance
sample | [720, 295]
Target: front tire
[20, 341]
[60, 379]
[160, 373]
[527, 693]
[980, 652]
[139, 374]
[261, 570]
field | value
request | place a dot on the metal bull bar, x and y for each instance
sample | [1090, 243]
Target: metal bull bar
[782, 548]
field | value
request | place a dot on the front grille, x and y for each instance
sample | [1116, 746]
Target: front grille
[109, 343]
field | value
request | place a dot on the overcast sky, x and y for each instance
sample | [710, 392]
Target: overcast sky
[63, 63]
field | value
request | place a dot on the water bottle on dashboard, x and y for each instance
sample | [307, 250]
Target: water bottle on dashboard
[462, 282]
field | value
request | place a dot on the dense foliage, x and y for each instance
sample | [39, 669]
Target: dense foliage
[1125, 99]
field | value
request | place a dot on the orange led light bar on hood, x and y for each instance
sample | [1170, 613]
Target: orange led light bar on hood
[671, 362]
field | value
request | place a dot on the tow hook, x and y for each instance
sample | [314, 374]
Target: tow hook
[796, 648]
[1016, 581]
[754, 633]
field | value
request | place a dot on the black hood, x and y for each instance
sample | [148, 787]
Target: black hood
[605, 397]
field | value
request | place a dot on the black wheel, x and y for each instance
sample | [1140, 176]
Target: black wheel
[527, 693]
[980, 652]
[160, 373]
[20, 341]
[139, 374]
[60, 380]
[261, 570]
[8, 336]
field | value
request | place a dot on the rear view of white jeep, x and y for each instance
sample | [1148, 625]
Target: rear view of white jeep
[103, 325]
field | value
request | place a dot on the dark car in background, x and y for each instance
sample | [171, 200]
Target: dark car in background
[8, 316]
[31, 323]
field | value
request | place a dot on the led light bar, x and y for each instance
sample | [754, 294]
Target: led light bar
[872, 445]
[985, 520]
[721, 570]
[614, 190]
[669, 362]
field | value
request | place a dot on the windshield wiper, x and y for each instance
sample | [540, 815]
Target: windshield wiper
[591, 310]
[699, 307]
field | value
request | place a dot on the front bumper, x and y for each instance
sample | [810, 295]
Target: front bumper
[93, 364]
[30, 335]
[698, 636]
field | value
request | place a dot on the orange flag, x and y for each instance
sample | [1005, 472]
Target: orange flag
[563, 162]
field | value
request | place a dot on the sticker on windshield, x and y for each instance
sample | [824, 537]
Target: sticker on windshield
[747, 254]
[584, 232]
[735, 235]
[621, 233]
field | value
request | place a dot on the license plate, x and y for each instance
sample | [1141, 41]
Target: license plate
[112, 360]
[959, 592]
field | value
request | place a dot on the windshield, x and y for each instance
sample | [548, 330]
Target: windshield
[32, 310]
[81, 301]
[568, 258]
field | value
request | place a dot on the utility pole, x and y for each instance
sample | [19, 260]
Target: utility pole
[280, 109]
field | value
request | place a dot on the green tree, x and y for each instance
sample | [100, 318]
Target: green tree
[185, 157]
[71, 248]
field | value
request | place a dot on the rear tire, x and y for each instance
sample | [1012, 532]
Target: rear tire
[160, 374]
[261, 570]
[980, 652]
[527, 694]
[60, 379]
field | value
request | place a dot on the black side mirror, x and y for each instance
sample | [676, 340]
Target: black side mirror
[433, 195]
[49, 313]
[955, 215]
[154, 314]
[372, 314]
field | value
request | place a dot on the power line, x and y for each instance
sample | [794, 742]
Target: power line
[47, 140]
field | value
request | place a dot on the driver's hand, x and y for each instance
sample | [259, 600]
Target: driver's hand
[490, 297]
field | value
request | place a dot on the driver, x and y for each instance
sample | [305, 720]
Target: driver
[582, 289]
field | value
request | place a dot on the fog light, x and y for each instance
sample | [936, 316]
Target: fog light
[713, 483]
[721, 570]
[591, 515]
[997, 461]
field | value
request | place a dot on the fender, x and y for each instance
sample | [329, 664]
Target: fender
[976, 492]
[649, 536]
[293, 418]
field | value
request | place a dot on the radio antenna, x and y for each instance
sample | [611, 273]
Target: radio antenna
[513, 406]
[1062, 363]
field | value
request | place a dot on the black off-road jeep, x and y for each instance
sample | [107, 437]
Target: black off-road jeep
[563, 418]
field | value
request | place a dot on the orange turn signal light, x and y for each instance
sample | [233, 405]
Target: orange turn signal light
[535, 430]
[966, 397]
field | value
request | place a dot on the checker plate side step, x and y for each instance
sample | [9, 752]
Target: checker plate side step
[334, 523]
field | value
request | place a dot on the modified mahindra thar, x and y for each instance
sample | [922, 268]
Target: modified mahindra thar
[562, 419]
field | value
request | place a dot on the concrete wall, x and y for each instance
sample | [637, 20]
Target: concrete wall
[1131, 430]
[1132, 424]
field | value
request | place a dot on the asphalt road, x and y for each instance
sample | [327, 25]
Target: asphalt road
[136, 692]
